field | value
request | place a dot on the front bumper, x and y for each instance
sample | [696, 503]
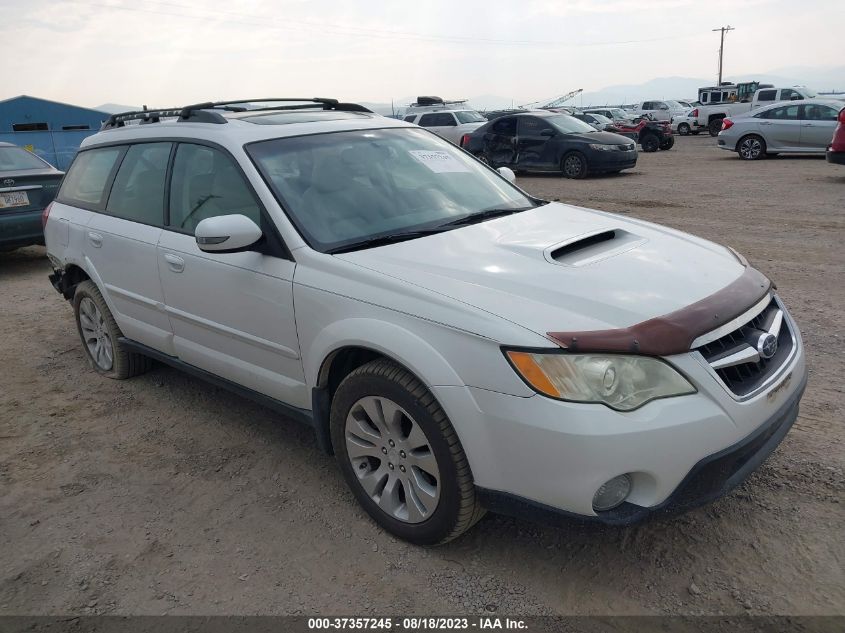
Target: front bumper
[599, 161]
[535, 455]
[712, 477]
[20, 229]
[837, 158]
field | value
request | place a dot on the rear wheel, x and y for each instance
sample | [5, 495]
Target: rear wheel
[400, 455]
[715, 127]
[650, 142]
[751, 147]
[683, 129]
[100, 336]
[574, 165]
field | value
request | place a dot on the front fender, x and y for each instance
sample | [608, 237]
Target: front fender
[391, 340]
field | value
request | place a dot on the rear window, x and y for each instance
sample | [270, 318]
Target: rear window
[439, 119]
[85, 183]
[17, 158]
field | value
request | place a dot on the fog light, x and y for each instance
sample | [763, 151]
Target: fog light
[612, 493]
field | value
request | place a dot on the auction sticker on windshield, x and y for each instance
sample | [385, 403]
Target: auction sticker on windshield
[437, 161]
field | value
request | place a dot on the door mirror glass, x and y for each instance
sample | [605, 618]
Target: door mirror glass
[226, 233]
[507, 174]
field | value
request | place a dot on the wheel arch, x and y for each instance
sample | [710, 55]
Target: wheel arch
[345, 345]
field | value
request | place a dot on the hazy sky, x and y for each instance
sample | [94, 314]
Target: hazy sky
[169, 53]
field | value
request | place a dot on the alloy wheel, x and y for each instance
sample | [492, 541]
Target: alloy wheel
[750, 148]
[95, 334]
[572, 166]
[392, 459]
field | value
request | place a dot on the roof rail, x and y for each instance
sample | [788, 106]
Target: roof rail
[204, 112]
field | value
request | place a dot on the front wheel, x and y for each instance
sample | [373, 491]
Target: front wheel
[100, 336]
[400, 455]
[684, 129]
[751, 147]
[650, 143]
[668, 143]
[574, 165]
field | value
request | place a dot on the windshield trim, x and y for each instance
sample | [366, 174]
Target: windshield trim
[285, 207]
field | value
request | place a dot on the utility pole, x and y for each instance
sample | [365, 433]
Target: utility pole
[723, 30]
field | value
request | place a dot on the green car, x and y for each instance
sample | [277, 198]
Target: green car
[27, 185]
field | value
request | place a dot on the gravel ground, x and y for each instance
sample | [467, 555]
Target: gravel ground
[163, 494]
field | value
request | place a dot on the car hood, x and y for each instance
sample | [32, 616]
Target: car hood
[560, 267]
[604, 138]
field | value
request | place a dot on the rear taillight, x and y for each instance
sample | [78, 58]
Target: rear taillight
[45, 215]
[464, 140]
[727, 124]
[842, 116]
[694, 113]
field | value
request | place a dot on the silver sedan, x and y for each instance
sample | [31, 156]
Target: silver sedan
[804, 127]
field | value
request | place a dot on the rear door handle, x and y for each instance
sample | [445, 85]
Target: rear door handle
[95, 238]
[175, 263]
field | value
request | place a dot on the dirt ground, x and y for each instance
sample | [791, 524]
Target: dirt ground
[163, 494]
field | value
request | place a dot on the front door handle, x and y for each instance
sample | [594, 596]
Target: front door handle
[95, 238]
[175, 263]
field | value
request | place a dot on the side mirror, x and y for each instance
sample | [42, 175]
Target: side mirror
[507, 174]
[226, 233]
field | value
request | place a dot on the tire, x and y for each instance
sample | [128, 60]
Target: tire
[684, 129]
[574, 165]
[668, 143]
[99, 334]
[650, 143]
[442, 480]
[715, 127]
[751, 147]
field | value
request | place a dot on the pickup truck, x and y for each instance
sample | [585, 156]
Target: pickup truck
[710, 117]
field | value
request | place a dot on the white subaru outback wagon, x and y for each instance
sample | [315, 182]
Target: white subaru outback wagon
[458, 344]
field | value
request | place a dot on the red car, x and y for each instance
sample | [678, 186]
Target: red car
[836, 149]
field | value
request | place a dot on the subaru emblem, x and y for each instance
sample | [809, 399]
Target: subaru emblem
[8, 182]
[767, 345]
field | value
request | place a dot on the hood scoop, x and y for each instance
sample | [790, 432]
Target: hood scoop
[593, 247]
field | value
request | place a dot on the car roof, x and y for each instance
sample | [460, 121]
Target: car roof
[814, 101]
[247, 126]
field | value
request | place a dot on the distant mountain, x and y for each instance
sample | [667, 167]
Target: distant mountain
[114, 108]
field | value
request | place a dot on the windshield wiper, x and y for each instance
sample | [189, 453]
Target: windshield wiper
[382, 240]
[486, 214]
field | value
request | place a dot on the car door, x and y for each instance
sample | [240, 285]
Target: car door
[534, 144]
[231, 313]
[441, 123]
[818, 121]
[781, 128]
[120, 238]
[500, 142]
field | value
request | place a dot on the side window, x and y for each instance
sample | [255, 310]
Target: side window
[785, 113]
[715, 97]
[818, 112]
[138, 190]
[532, 126]
[788, 93]
[647, 105]
[505, 126]
[207, 183]
[437, 119]
[85, 183]
[767, 95]
[704, 98]
[410, 118]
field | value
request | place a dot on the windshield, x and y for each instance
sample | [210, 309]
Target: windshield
[676, 105]
[619, 113]
[345, 187]
[568, 124]
[17, 158]
[601, 118]
[468, 116]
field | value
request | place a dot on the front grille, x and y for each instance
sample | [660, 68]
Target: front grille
[743, 377]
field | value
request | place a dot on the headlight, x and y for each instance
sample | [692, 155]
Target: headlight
[602, 148]
[618, 381]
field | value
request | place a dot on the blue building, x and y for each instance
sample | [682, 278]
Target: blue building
[50, 129]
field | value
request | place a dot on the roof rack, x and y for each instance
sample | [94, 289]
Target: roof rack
[204, 112]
